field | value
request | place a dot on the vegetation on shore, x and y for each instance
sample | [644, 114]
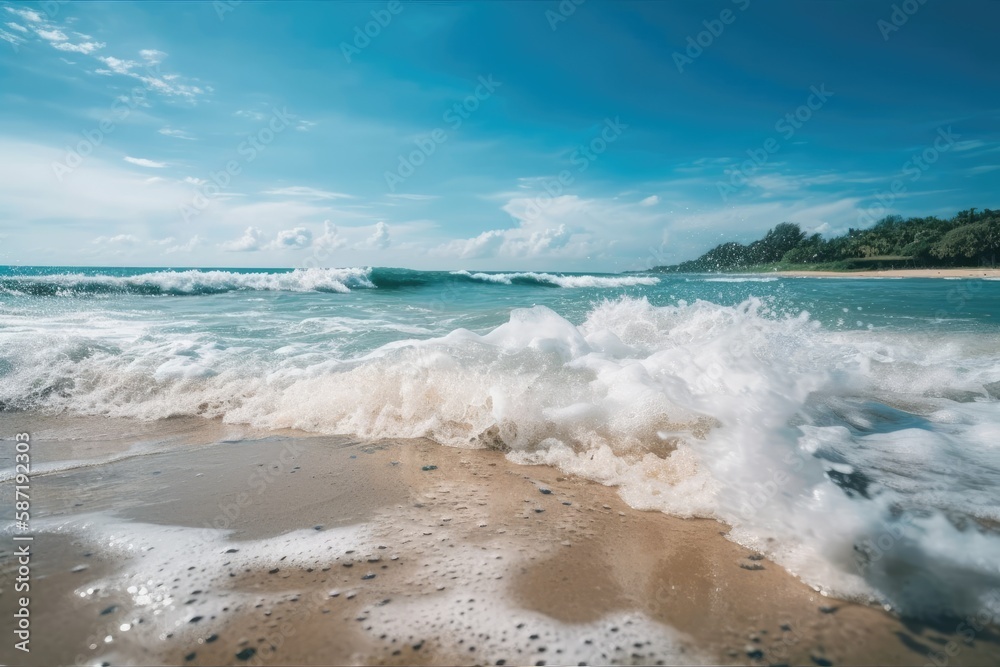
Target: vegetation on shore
[969, 239]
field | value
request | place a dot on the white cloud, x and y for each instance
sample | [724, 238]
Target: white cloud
[380, 237]
[177, 134]
[551, 230]
[773, 184]
[58, 40]
[195, 181]
[331, 238]
[292, 213]
[249, 242]
[133, 101]
[564, 226]
[150, 75]
[982, 169]
[292, 239]
[305, 193]
[26, 14]
[968, 145]
[143, 162]
[117, 65]
[706, 228]
[253, 115]
[120, 239]
[52, 35]
[152, 56]
[17, 26]
[166, 241]
[83, 47]
[486, 244]
[652, 200]
[305, 125]
[10, 38]
[99, 191]
[512, 243]
[194, 242]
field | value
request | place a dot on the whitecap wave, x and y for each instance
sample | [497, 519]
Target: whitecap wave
[559, 280]
[190, 282]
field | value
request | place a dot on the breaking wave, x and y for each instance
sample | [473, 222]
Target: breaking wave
[864, 462]
[196, 282]
[558, 280]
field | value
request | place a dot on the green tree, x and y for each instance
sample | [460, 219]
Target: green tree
[972, 235]
[977, 240]
[776, 243]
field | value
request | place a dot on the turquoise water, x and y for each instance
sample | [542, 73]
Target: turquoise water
[270, 306]
[848, 428]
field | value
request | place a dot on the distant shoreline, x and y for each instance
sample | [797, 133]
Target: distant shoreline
[893, 273]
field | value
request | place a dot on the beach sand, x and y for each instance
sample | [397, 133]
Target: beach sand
[219, 545]
[896, 273]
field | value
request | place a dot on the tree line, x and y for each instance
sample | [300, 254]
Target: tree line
[970, 238]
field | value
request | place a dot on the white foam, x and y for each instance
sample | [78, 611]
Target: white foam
[197, 282]
[163, 566]
[737, 413]
[740, 279]
[463, 603]
[561, 280]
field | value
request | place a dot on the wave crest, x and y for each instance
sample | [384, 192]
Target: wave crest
[556, 280]
[190, 282]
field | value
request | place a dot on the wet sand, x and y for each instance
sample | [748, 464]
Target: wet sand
[288, 549]
[895, 273]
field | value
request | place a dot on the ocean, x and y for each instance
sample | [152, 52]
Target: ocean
[847, 429]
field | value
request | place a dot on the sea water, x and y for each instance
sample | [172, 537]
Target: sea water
[848, 429]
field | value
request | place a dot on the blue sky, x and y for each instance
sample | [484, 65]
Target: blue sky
[490, 135]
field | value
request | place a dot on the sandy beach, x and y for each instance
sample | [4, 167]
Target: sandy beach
[228, 546]
[993, 274]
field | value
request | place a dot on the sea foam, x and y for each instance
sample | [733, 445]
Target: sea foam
[848, 457]
[558, 280]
